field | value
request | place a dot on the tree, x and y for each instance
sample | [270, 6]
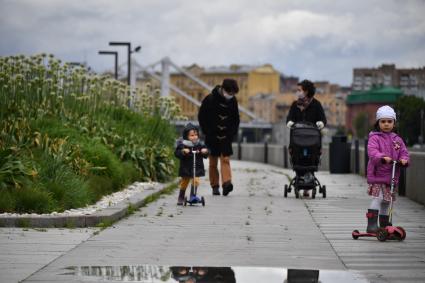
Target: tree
[361, 125]
[408, 109]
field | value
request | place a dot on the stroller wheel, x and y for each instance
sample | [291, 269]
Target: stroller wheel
[382, 235]
[324, 191]
[313, 194]
[203, 201]
[297, 193]
[285, 191]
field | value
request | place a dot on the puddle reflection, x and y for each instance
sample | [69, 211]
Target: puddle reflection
[202, 274]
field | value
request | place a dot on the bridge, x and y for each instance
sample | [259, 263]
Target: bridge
[252, 129]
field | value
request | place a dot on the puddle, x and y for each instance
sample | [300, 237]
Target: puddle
[199, 274]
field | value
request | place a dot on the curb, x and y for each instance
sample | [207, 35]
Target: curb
[105, 216]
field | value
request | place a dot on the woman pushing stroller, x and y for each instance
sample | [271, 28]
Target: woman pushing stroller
[306, 109]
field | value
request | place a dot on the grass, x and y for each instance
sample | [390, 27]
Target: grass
[68, 138]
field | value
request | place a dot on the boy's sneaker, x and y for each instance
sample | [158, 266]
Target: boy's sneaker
[227, 188]
[180, 200]
[215, 191]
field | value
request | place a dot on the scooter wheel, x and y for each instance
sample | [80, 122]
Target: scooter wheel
[203, 201]
[382, 235]
[285, 191]
[403, 233]
[185, 201]
[355, 235]
[324, 191]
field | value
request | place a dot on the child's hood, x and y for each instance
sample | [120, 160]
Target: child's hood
[189, 127]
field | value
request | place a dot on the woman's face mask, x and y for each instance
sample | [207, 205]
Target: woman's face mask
[300, 94]
[226, 95]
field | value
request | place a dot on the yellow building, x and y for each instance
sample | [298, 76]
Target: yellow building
[251, 81]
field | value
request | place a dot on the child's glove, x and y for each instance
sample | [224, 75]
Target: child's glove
[185, 151]
[204, 151]
[290, 124]
[320, 125]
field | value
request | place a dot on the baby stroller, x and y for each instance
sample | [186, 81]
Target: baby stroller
[305, 146]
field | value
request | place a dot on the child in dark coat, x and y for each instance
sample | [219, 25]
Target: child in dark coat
[188, 143]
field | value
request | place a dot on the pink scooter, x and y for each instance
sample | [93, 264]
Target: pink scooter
[390, 232]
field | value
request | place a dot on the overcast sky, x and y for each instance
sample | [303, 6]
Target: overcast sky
[319, 40]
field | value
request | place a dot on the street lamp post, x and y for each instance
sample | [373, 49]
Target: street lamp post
[115, 53]
[421, 137]
[129, 51]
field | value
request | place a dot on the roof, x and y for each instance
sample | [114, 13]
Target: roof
[375, 95]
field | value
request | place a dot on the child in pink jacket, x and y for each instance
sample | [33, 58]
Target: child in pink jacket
[384, 146]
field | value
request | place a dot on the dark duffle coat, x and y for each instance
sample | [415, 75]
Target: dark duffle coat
[219, 121]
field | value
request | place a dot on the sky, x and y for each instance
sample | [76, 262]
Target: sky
[310, 39]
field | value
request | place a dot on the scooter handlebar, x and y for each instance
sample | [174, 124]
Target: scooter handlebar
[397, 162]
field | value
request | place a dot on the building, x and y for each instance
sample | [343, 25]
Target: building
[367, 102]
[411, 81]
[264, 106]
[252, 80]
[332, 97]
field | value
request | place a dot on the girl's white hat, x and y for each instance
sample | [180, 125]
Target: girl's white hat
[385, 112]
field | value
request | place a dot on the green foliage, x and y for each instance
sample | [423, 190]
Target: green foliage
[361, 125]
[7, 201]
[67, 189]
[104, 163]
[13, 172]
[67, 137]
[409, 116]
[32, 200]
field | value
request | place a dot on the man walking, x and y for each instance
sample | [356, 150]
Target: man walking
[219, 121]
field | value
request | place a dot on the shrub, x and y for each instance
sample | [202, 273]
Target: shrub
[66, 189]
[32, 200]
[7, 202]
[105, 163]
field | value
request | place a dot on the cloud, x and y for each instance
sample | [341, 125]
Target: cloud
[312, 39]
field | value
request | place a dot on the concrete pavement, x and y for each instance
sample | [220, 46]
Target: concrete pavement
[255, 226]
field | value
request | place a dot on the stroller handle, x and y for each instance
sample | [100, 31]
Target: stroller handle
[303, 123]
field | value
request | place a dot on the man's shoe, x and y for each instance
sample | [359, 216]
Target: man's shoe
[215, 191]
[227, 188]
[180, 200]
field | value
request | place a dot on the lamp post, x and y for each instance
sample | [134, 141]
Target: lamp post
[115, 53]
[421, 136]
[129, 51]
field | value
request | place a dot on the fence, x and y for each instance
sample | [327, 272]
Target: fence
[412, 183]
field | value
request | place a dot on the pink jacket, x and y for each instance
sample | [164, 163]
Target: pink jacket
[382, 144]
